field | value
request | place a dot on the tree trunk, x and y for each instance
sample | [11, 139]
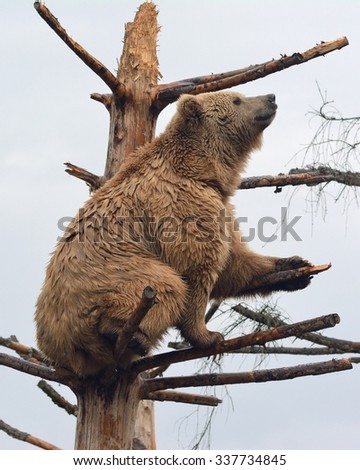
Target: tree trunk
[132, 118]
[144, 432]
[106, 414]
[107, 417]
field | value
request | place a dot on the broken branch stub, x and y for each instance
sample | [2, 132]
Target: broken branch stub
[93, 181]
[286, 276]
[181, 397]
[148, 300]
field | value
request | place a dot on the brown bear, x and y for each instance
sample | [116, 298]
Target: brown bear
[165, 221]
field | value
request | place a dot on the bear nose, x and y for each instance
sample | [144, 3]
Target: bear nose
[271, 98]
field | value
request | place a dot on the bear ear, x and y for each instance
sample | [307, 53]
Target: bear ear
[190, 107]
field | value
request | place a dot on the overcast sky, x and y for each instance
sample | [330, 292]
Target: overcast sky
[47, 118]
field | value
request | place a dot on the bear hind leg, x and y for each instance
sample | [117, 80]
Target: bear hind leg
[120, 304]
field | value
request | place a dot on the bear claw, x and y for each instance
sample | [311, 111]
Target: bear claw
[286, 264]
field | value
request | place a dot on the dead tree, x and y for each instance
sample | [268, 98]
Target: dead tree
[116, 412]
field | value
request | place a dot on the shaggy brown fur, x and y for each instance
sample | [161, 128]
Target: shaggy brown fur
[163, 220]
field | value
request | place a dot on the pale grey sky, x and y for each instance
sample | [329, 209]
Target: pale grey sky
[47, 118]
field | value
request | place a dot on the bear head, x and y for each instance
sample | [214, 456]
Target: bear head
[239, 119]
[223, 127]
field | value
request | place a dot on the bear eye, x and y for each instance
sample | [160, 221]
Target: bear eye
[237, 101]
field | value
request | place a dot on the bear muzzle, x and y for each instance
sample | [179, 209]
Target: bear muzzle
[267, 113]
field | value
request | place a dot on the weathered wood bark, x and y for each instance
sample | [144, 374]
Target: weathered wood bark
[107, 413]
[132, 119]
[298, 176]
[144, 432]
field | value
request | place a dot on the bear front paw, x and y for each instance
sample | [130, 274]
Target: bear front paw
[295, 284]
[207, 340]
[286, 264]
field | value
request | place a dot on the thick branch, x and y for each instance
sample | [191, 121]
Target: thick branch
[57, 398]
[94, 64]
[338, 345]
[284, 373]
[165, 94]
[38, 370]
[253, 339]
[181, 397]
[148, 300]
[300, 176]
[23, 436]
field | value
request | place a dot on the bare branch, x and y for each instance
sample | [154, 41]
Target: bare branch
[105, 99]
[94, 64]
[157, 371]
[295, 177]
[298, 176]
[284, 373]
[354, 360]
[307, 351]
[57, 398]
[212, 310]
[93, 181]
[27, 352]
[285, 276]
[337, 138]
[39, 370]
[338, 345]
[267, 350]
[253, 339]
[181, 397]
[23, 436]
[165, 94]
[148, 300]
